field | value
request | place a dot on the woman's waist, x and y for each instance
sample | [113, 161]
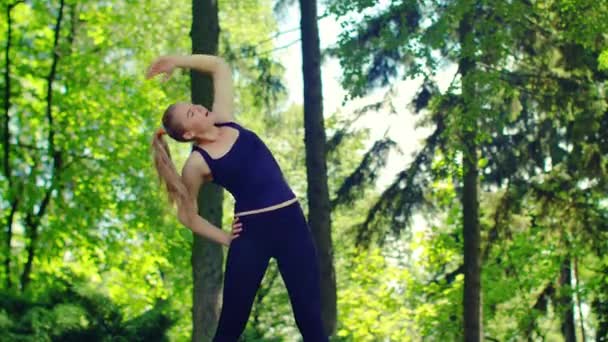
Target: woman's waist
[244, 209]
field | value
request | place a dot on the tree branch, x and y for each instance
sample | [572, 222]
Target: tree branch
[280, 47]
[403, 194]
[293, 29]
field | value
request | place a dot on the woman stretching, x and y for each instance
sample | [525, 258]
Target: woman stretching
[269, 221]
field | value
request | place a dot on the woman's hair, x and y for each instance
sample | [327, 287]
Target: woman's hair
[167, 173]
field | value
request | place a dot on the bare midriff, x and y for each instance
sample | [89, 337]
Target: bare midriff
[270, 208]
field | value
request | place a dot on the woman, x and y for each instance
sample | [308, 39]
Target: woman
[269, 221]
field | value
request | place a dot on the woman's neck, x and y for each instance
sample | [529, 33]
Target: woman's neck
[209, 136]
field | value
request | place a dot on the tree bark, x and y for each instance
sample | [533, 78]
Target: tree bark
[207, 257]
[319, 208]
[568, 326]
[470, 196]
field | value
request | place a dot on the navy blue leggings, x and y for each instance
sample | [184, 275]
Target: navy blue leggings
[282, 234]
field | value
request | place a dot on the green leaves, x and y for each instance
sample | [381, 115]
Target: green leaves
[603, 61]
[370, 297]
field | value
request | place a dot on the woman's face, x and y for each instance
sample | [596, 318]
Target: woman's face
[195, 119]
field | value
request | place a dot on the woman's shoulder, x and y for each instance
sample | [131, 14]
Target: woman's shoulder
[196, 164]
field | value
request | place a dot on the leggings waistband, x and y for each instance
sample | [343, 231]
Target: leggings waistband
[266, 209]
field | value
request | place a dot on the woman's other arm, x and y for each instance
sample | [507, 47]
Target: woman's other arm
[187, 212]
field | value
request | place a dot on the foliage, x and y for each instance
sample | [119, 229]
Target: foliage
[76, 313]
[371, 298]
[528, 79]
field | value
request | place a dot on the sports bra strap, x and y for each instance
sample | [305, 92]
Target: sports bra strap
[204, 153]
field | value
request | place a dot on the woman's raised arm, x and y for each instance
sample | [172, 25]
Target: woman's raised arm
[217, 67]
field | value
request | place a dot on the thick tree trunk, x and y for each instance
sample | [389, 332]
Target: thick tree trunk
[319, 208]
[207, 257]
[568, 326]
[470, 196]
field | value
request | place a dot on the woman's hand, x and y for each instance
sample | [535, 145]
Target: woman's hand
[237, 227]
[162, 65]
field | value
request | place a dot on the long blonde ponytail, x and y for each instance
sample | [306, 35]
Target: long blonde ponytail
[176, 190]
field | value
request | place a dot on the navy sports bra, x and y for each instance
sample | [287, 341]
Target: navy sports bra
[249, 172]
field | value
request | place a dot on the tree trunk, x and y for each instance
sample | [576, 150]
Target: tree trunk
[470, 196]
[12, 194]
[581, 318]
[319, 208]
[33, 220]
[600, 307]
[207, 257]
[471, 236]
[567, 304]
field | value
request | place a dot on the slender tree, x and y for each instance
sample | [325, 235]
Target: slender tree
[6, 140]
[319, 206]
[33, 218]
[470, 195]
[568, 326]
[207, 257]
